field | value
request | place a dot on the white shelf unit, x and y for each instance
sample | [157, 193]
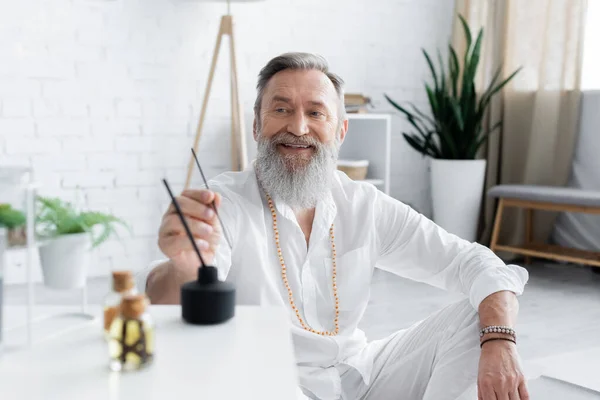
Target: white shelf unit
[369, 137]
[31, 247]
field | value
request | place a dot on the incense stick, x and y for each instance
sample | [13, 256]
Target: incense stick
[185, 225]
[213, 202]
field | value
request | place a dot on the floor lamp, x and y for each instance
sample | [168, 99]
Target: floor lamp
[239, 158]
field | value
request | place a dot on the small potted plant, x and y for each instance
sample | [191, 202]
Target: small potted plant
[67, 236]
[452, 131]
[14, 221]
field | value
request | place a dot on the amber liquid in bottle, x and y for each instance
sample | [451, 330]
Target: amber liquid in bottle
[131, 336]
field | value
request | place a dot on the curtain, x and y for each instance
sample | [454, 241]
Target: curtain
[580, 230]
[539, 107]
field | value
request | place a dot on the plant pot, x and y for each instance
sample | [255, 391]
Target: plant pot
[2, 250]
[17, 236]
[65, 261]
[456, 191]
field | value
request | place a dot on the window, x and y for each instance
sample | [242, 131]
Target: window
[590, 73]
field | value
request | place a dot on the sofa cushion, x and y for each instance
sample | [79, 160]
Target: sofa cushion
[547, 194]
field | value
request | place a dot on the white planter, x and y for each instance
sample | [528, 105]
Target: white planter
[3, 246]
[65, 261]
[457, 190]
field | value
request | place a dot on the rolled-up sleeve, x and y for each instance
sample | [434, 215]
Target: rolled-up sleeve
[141, 277]
[412, 246]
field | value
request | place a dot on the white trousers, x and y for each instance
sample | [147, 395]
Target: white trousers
[436, 359]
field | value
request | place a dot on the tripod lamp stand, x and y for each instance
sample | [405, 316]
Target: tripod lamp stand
[239, 158]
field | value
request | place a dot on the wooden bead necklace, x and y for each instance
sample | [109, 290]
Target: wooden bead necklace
[289, 289]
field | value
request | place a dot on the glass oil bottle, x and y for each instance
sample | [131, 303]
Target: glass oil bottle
[131, 335]
[122, 284]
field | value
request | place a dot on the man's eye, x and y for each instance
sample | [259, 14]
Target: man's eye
[317, 114]
[280, 110]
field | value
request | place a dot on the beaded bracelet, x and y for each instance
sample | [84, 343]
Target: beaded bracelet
[498, 329]
[498, 338]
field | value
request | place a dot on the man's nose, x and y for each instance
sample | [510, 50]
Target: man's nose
[298, 125]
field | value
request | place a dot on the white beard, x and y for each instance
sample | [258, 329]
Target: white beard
[294, 180]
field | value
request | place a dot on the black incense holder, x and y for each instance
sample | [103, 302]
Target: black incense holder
[206, 300]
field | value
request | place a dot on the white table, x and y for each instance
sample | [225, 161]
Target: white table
[249, 357]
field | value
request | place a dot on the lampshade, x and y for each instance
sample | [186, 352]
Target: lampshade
[221, 1]
[228, 2]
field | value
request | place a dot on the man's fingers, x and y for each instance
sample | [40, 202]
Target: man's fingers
[523, 392]
[203, 196]
[514, 392]
[486, 388]
[193, 208]
[502, 394]
[218, 199]
[488, 395]
[172, 226]
[177, 246]
[200, 195]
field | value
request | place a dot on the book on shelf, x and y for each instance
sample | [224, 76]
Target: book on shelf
[357, 109]
[356, 103]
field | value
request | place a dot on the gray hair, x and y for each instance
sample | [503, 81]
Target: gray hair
[298, 61]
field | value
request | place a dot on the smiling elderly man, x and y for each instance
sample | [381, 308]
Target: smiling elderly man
[306, 237]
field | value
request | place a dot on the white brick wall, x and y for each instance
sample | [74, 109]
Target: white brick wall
[102, 98]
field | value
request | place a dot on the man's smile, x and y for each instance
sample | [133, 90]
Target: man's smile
[286, 148]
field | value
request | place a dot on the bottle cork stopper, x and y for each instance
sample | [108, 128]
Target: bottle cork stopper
[133, 306]
[122, 281]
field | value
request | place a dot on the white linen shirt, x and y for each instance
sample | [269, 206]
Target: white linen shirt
[371, 230]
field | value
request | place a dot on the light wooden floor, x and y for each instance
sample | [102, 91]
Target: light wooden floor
[560, 312]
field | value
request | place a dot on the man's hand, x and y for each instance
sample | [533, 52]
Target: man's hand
[500, 376]
[204, 225]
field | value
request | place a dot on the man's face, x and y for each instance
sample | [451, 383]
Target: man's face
[298, 133]
[299, 112]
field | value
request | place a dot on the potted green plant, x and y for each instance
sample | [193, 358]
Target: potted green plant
[14, 221]
[67, 236]
[452, 131]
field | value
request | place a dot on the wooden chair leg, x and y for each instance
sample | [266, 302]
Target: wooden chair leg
[497, 223]
[528, 231]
